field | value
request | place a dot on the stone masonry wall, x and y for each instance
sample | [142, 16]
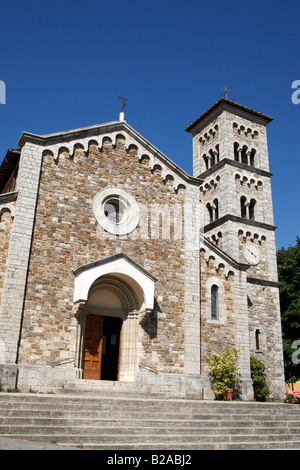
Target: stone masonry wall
[66, 236]
[264, 317]
[6, 221]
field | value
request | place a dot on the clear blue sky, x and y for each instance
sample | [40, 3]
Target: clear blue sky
[65, 63]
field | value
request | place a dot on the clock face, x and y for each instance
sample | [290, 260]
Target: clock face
[252, 254]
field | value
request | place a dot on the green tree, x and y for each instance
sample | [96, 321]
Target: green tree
[288, 261]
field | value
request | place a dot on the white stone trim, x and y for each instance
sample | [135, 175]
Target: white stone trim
[222, 317]
[142, 284]
[131, 207]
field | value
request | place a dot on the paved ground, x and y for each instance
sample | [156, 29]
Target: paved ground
[20, 444]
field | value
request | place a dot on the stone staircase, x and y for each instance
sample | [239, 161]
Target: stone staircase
[145, 422]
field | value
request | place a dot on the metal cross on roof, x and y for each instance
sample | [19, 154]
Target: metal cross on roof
[123, 101]
[227, 90]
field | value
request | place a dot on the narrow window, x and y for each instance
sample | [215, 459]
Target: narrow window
[252, 155]
[251, 209]
[206, 162]
[236, 152]
[212, 157]
[214, 302]
[243, 207]
[257, 340]
[216, 203]
[245, 155]
[210, 212]
[218, 153]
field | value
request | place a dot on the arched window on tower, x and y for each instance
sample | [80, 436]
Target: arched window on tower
[214, 302]
[212, 157]
[244, 154]
[243, 207]
[252, 156]
[213, 210]
[216, 204]
[217, 153]
[206, 161]
[251, 209]
[247, 208]
[210, 212]
[236, 152]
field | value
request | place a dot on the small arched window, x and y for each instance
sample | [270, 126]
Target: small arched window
[243, 207]
[210, 213]
[251, 209]
[236, 151]
[244, 155]
[252, 156]
[214, 302]
[247, 208]
[206, 161]
[216, 204]
[257, 340]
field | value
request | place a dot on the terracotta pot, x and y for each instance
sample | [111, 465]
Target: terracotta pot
[228, 395]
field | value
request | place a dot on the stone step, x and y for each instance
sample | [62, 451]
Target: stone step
[184, 446]
[109, 403]
[102, 387]
[139, 422]
[55, 412]
[153, 439]
[124, 424]
[159, 430]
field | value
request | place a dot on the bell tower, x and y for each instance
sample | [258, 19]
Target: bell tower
[230, 155]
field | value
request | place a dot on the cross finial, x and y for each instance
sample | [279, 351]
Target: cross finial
[123, 101]
[227, 90]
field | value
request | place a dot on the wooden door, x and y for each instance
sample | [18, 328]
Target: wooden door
[93, 347]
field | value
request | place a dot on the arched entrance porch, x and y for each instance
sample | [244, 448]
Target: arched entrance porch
[112, 295]
[110, 329]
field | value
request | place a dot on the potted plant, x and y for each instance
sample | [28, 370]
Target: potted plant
[223, 373]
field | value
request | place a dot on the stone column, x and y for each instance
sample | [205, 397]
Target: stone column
[128, 348]
[247, 205]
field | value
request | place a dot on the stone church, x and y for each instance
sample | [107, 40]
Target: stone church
[117, 268]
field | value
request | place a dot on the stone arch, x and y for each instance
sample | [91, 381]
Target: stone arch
[114, 292]
[120, 141]
[109, 330]
[6, 215]
[221, 312]
[113, 296]
[122, 268]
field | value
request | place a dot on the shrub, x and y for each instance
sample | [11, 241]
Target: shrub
[292, 397]
[260, 387]
[223, 371]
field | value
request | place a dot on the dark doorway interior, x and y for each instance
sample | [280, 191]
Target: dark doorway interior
[110, 348]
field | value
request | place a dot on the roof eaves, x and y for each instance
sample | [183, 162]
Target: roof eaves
[224, 103]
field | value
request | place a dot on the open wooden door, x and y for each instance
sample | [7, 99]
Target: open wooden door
[93, 347]
[101, 347]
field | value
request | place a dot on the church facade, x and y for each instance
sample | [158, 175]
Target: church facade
[117, 266]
